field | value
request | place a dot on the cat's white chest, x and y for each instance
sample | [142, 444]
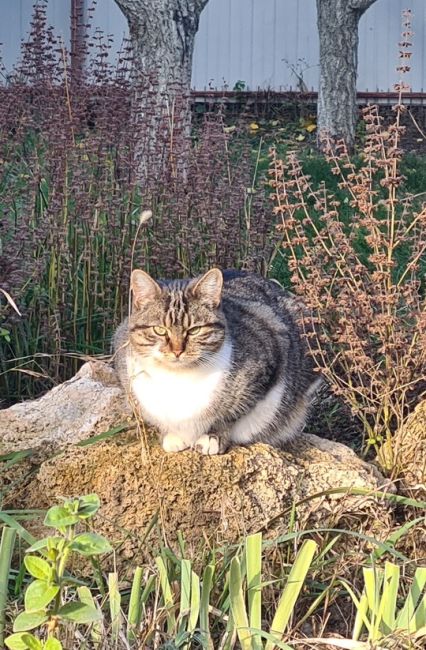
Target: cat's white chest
[172, 399]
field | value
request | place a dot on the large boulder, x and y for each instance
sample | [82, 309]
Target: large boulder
[216, 498]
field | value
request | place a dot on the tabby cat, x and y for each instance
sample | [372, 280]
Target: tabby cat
[215, 361]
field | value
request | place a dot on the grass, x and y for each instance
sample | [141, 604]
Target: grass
[259, 594]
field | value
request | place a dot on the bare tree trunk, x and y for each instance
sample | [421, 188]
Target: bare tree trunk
[162, 34]
[338, 34]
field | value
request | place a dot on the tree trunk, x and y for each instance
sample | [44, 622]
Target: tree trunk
[338, 34]
[162, 34]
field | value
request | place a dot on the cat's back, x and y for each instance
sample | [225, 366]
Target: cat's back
[251, 293]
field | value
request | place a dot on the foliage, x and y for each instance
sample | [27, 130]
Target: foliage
[361, 277]
[46, 602]
[78, 168]
[231, 595]
[377, 609]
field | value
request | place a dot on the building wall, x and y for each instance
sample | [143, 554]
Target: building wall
[264, 43]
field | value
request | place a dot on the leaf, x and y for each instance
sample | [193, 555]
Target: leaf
[43, 543]
[38, 595]
[88, 505]
[32, 643]
[29, 620]
[38, 567]
[80, 612]
[114, 605]
[310, 127]
[60, 517]
[292, 589]
[15, 642]
[52, 644]
[90, 544]
[238, 608]
[10, 300]
[253, 126]
[254, 570]
[300, 137]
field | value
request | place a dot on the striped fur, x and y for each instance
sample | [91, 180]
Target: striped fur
[215, 361]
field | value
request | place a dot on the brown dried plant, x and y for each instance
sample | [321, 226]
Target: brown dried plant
[362, 274]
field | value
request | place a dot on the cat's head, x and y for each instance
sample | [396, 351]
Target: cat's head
[177, 323]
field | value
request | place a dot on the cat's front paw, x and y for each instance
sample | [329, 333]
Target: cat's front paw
[172, 443]
[209, 445]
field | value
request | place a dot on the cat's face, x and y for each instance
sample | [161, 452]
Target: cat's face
[178, 324]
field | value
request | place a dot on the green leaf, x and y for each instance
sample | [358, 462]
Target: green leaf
[88, 505]
[38, 567]
[38, 595]
[60, 517]
[15, 642]
[292, 589]
[114, 605]
[195, 602]
[238, 608]
[135, 606]
[80, 613]
[29, 620]
[52, 644]
[44, 543]
[254, 570]
[90, 544]
[167, 594]
[31, 642]
[204, 606]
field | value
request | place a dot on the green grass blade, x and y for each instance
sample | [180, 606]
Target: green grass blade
[361, 616]
[195, 602]
[407, 612]
[204, 607]
[292, 589]
[419, 619]
[103, 436]
[149, 587]
[185, 588]
[372, 581]
[254, 589]
[6, 549]
[11, 522]
[395, 537]
[185, 598]
[167, 595]
[387, 608]
[135, 605]
[238, 608]
[114, 605]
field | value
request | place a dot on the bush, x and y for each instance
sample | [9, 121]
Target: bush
[360, 273]
[79, 166]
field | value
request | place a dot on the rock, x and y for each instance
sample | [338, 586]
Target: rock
[88, 404]
[218, 498]
[411, 451]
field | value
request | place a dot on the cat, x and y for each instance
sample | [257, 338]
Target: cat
[215, 361]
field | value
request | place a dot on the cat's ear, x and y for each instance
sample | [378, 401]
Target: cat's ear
[143, 287]
[208, 288]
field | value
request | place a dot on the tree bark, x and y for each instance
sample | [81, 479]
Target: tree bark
[162, 34]
[338, 34]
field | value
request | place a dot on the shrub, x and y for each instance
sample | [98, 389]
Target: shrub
[79, 166]
[361, 274]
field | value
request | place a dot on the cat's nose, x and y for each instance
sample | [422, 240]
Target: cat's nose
[177, 352]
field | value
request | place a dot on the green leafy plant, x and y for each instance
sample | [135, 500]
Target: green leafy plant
[47, 603]
[377, 609]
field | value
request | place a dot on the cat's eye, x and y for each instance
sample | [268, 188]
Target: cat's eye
[194, 330]
[161, 331]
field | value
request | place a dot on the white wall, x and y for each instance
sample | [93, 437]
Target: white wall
[256, 41]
